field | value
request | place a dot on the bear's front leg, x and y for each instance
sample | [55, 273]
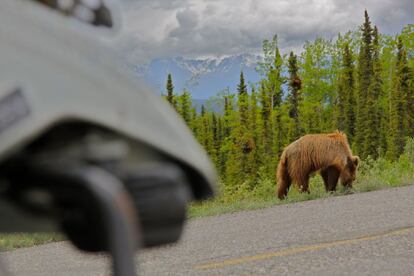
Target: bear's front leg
[330, 177]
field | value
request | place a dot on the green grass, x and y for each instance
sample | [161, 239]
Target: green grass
[372, 175]
[229, 204]
[18, 240]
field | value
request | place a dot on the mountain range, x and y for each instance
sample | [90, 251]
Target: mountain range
[202, 77]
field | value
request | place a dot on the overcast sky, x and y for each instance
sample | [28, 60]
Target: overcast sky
[200, 28]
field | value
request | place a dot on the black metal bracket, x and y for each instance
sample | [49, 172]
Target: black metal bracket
[89, 203]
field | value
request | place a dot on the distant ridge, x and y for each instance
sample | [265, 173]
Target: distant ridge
[203, 78]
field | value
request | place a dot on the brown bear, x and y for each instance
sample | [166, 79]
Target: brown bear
[327, 153]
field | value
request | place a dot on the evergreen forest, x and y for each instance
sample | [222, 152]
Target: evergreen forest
[361, 83]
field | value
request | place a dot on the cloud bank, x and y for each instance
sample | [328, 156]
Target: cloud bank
[197, 28]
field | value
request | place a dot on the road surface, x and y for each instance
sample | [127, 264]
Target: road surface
[360, 234]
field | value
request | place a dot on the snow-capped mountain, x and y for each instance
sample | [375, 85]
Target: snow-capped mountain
[202, 77]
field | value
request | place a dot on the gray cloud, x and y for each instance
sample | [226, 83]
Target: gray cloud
[164, 28]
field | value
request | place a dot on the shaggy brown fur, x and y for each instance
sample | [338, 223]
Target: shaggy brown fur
[327, 153]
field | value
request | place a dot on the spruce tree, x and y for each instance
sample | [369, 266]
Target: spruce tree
[215, 139]
[184, 106]
[194, 122]
[346, 95]
[220, 140]
[242, 101]
[253, 114]
[170, 91]
[266, 118]
[372, 140]
[206, 131]
[203, 110]
[228, 144]
[228, 114]
[295, 85]
[364, 81]
[276, 80]
[243, 137]
[407, 77]
[253, 127]
[342, 99]
[398, 105]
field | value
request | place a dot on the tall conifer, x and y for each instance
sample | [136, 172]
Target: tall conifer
[372, 140]
[295, 84]
[170, 91]
[346, 95]
[398, 105]
[364, 82]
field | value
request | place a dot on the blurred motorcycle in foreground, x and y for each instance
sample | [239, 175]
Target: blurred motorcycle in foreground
[84, 148]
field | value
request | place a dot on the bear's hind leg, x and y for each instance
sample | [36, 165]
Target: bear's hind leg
[283, 189]
[303, 184]
[283, 182]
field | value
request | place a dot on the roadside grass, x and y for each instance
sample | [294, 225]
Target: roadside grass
[372, 175]
[255, 200]
[19, 240]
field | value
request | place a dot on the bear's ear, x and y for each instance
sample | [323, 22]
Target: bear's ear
[355, 160]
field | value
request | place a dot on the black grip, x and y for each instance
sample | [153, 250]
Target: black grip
[161, 194]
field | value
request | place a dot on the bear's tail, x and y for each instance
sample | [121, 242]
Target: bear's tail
[283, 178]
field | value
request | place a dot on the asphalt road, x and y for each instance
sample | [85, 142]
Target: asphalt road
[361, 234]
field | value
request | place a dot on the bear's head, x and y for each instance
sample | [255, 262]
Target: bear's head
[348, 174]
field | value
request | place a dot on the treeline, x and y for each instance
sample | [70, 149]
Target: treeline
[361, 83]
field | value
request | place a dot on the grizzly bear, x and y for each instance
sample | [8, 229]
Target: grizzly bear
[327, 153]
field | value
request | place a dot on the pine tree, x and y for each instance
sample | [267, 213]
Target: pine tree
[364, 81]
[253, 126]
[343, 92]
[220, 140]
[228, 145]
[228, 114]
[170, 91]
[194, 122]
[341, 105]
[402, 83]
[295, 85]
[242, 101]
[278, 129]
[276, 80]
[398, 105]
[346, 95]
[407, 76]
[350, 107]
[203, 110]
[215, 139]
[266, 120]
[243, 137]
[372, 140]
[388, 59]
[206, 134]
[253, 115]
[184, 106]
